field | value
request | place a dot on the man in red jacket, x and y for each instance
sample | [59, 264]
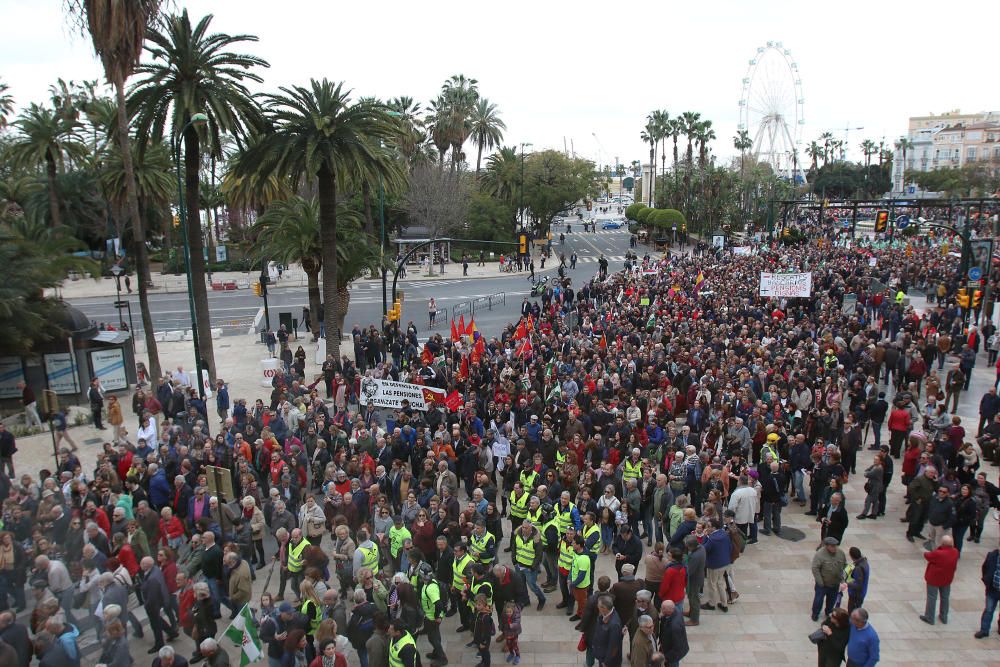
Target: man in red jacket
[674, 582]
[940, 572]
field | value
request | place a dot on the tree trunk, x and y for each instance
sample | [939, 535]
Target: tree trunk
[55, 217]
[315, 302]
[327, 191]
[192, 163]
[479, 160]
[343, 303]
[366, 199]
[138, 234]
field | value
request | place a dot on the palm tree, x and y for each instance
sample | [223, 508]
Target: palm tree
[651, 135]
[6, 104]
[503, 173]
[826, 141]
[318, 135]
[439, 120]
[487, 128]
[903, 144]
[690, 121]
[742, 142]
[661, 121]
[814, 151]
[460, 95]
[289, 232]
[868, 149]
[49, 139]
[193, 71]
[704, 135]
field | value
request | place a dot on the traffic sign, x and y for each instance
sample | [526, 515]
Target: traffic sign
[975, 273]
[903, 221]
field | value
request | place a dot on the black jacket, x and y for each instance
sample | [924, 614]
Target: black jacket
[990, 570]
[673, 637]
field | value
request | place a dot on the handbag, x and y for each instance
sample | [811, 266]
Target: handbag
[817, 635]
[582, 644]
[783, 500]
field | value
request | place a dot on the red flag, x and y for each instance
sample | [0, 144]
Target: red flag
[521, 331]
[463, 369]
[453, 401]
[427, 355]
[478, 350]
[454, 332]
[531, 323]
[604, 342]
[524, 348]
[461, 326]
[471, 329]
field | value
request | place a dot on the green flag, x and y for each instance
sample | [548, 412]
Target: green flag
[555, 394]
[651, 322]
[243, 632]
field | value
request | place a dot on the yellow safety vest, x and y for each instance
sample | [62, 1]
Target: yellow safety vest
[529, 481]
[544, 529]
[479, 544]
[565, 518]
[535, 515]
[560, 457]
[524, 549]
[474, 591]
[632, 470]
[295, 555]
[429, 597]
[396, 537]
[566, 555]
[315, 618]
[397, 645]
[370, 559]
[587, 532]
[458, 568]
[519, 506]
[581, 563]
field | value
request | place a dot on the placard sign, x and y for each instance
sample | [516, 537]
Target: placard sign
[11, 373]
[109, 366]
[389, 394]
[785, 284]
[60, 372]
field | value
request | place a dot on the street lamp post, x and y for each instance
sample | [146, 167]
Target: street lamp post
[196, 119]
[381, 223]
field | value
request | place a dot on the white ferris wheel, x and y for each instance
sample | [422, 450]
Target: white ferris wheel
[771, 109]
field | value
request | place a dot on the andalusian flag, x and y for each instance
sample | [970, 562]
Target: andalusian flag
[243, 632]
[651, 322]
[555, 394]
[699, 282]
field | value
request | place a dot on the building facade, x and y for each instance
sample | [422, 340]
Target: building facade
[950, 139]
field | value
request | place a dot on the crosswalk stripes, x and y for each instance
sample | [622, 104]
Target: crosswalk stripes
[593, 260]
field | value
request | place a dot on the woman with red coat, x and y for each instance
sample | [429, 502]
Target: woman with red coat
[899, 425]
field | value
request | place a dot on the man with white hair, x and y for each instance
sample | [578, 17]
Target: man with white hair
[643, 644]
[59, 583]
[167, 657]
[213, 653]
[155, 596]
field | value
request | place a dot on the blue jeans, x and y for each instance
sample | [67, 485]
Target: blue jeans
[799, 480]
[607, 534]
[821, 592]
[877, 431]
[992, 598]
[213, 587]
[531, 577]
[363, 656]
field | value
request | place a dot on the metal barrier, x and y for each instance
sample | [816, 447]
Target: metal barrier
[440, 318]
[461, 309]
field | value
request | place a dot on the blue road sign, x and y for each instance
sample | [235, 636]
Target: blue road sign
[903, 221]
[975, 273]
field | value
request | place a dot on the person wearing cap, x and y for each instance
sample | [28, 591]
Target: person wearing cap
[434, 605]
[482, 544]
[828, 565]
[770, 447]
[402, 646]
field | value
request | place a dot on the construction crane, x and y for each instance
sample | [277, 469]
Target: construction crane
[847, 136]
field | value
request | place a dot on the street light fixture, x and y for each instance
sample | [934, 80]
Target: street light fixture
[195, 120]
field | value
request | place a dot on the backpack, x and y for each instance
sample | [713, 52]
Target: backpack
[738, 542]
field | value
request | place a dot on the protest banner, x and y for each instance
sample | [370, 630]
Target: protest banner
[785, 284]
[389, 394]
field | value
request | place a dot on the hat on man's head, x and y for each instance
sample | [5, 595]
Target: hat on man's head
[831, 541]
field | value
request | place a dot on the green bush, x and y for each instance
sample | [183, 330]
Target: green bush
[643, 215]
[632, 210]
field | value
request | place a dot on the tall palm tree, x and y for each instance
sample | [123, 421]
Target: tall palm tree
[826, 140]
[704, 135]
[503, 173]
[317, 135]
[118, 31]
[661, 122]
[742, 142]
[193, 71]
[868, 149]
[411, 122]
[460, 95]
[47, 139]
[903, 144]
[651, 135]
[440, 120]
[690, 121]
[6, 104]
[487, 128]
[814, 151]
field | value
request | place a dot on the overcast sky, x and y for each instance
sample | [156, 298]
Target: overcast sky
[584, 71]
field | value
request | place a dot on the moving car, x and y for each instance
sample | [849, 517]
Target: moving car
[613, 224]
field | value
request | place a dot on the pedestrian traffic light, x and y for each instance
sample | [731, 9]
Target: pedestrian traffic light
[522, 242]
[977, 296]
[394, 313]
[590, 205]
[962, 298]
[881, 221]
[258, 290]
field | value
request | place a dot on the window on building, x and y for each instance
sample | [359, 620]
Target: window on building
[970, 153]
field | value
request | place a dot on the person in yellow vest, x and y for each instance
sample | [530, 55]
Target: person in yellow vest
[461, 570]
[900, 295]
[549, 530]
[479, 584]
[519, 499]
[535, 511]
[591, 534]
[402, 646]
[566, 514]
[434, 604]
[632, 466]
[367, 554]
[579, 577]
[397, 534]
[528, 552]
[770, 447]
[482, 544]
[529, 478]
[312, 608]
[296, 545]
[566, 556]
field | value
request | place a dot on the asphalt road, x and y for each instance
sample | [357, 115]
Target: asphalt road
[233, 310]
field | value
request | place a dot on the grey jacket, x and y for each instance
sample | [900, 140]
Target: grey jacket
[696, 568]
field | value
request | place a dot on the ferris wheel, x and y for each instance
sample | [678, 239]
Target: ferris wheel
[771, 109]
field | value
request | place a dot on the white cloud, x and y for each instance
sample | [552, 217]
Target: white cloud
[576, 69]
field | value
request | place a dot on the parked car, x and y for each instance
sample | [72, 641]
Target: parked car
[613, 224]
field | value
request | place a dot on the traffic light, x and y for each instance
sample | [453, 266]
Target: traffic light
[522, 243]
[394, 313]
[590, 205]
[977, 296]
[881, 221]
[258, 290]
[177, 222]
[962, 298]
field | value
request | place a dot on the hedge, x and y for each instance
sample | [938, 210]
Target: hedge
[632, 210]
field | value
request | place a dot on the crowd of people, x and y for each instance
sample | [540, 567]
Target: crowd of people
[666, 434]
